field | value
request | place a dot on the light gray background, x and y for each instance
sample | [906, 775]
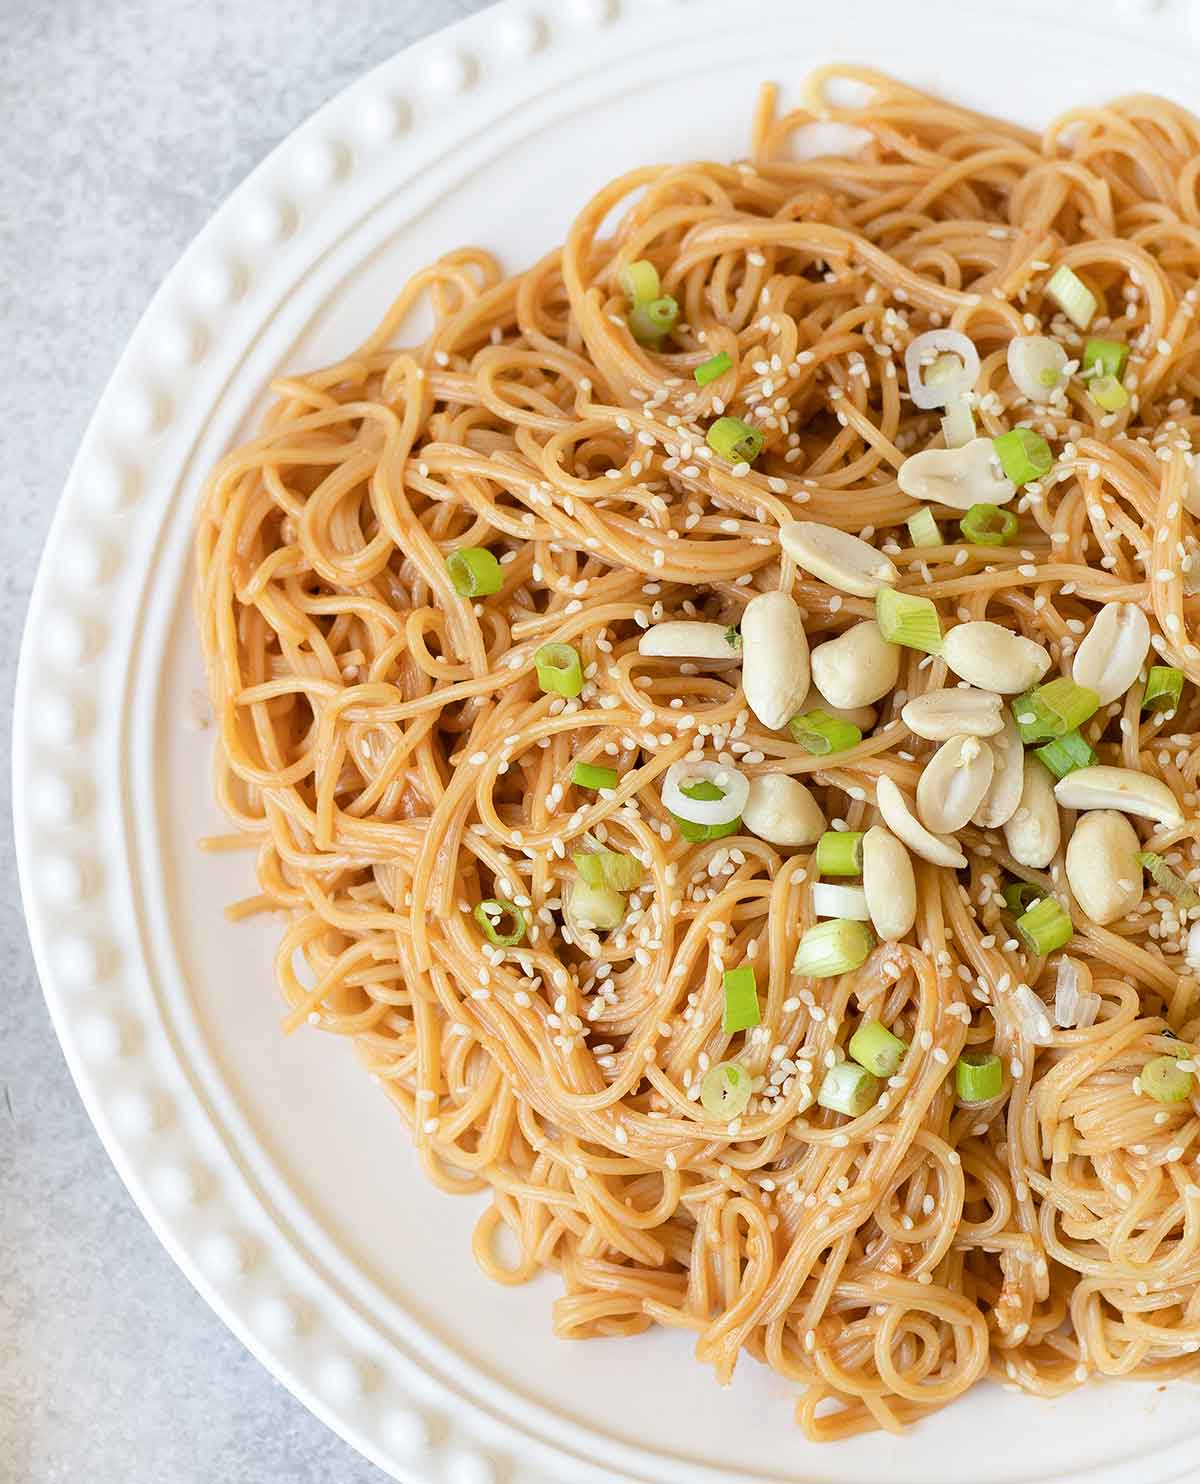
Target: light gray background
[123, 124]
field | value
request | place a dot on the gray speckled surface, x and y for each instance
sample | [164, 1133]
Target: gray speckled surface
[124, 124]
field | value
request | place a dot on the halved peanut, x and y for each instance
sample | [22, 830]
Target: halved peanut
[687, 639]
[1102, 865]
[1033, 831]
[889, 884]
[775, 667]
[1004, 791]
[1119, 788]
[857, 667]
[955, 711]
[1112, 652]
[779, 808]
[903, 823]
[953, 783]
[958, 477]
[994, 658]
[846, 562]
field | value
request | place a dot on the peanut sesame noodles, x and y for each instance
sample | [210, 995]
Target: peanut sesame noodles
[570, 737]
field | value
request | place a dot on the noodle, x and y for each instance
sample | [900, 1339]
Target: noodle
[386, 744]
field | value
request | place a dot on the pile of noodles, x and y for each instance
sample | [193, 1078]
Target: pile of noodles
[384, 745]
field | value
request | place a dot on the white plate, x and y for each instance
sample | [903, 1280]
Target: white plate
[279, 1179]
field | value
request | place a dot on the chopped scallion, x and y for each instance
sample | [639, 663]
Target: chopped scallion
[725, 1091]
[709, 370]
[988, 525]
[1054, 709]
[703, 788]
[559, 672]
[819, 733]
[608, 868]
[1072, 296]
[1067, 753]
[1164, 686]
[1181, 892]
[639, 281]
[595, 907]
[839, 853]
[905, 618]
[1024, 455]
[1104, 358]
[1019, 896]
[978, 1076]
[741, 1000]
[958, 425]
[475, 572]
[651, 321]
[734, 440]
[588, 775]
[849, 1088]
[490, 915]
[873, 1046]
[1045, 927]
[833, 947]
[1165, 1080]
[923, 528]
[1108, 393]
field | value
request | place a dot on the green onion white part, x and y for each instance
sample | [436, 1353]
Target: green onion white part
[923, 529]
[594, 908]
[611, 868]
[831, 899]
[1072, 296]
[1164, 1080]
[639, 281]
[725, 1091]
[958, 425]
[923, 351]
[1037, 366]
[733, 787]
[832, 948]
[1032, 1016]
[874, 1047]
[1108, 393]
[1075, 1005]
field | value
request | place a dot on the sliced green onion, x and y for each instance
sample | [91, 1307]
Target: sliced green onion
[588, 775]
[694, 832]
[873, 1046]
[1181, 892]
[608, 868]
[849, 1088]
[490, 914]
[839, 853]
[1164, 686]
[1108, 393]
[735, 441]
[733, 637]
[741, 1000]
[946, 367]
[639, 281]
[596, 907]
[1019, 896]
[559, 672]
[978, 1076]
[1054, 709]
[833, 947]
[1066, 753]
[923, 528]
[1072, 296]
[1104, 358]
[725, 1091]
[988, 525]
[702, 788]
[905, 618]
[1023, 454]
[650, 322]
[958, 425]
[819, 733]
[709, 370]
[1045, 927]
[1165, 1081]
[475, 572]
